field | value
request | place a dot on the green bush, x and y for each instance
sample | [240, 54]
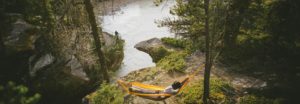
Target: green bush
[107, 94]
[17, 94]
[173, 62]
[219, 92]
[114, 54]
[179, 43]
[159, 53]
[187, 45]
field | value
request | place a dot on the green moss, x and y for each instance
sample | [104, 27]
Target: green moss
[159, 53]
[252, 99]
[107, 94]
[114, 55]
[173, 62]
[219, 92]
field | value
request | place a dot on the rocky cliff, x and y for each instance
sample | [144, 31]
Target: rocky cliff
[58, 61]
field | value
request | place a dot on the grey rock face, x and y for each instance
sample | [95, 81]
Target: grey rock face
[41, 63]
[145, 46]
[21, 37]
[77, 69]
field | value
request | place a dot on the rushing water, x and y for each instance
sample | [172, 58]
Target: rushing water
[135, 23]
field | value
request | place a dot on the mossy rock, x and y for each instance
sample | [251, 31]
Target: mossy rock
[173, 62]
[218, 92]
[158, 53]
[106, 94]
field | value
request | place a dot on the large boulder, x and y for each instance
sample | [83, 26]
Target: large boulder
[45, 62]
[72, 71]
[37, 63]
[17, 38]
[21, 37]
[77, 69]
[62, 66]
[59, 79]
[148, 45]
[155, 48]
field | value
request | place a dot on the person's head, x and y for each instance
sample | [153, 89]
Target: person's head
[176, 85]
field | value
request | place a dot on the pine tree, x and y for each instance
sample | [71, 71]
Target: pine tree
[95, 33]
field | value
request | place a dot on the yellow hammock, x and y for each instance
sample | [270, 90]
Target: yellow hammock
[152, 96]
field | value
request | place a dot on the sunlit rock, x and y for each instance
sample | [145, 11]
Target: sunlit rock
[77, 69]
[147, 45]
[155, 48]
[41, 63]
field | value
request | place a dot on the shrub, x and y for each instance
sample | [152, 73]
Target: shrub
[159, 53]
[179, 43]
[187, 45]
[173, 62]
[17, 94]
[114, 54]
[107, 94]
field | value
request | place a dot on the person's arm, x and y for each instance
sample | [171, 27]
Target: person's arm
[170, 90]
[184, 81]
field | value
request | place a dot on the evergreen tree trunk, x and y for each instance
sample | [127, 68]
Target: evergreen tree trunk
[207, 54]
[95, 33]
[1, 33]
[1, 45]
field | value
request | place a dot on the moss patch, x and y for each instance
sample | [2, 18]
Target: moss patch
[173, 62]
[107, 94]
[114, 55]
[158, 53]
[220, 92]
[252, 99]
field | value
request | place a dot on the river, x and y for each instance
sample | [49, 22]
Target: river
[135, 22]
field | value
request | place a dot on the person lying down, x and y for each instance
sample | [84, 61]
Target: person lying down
[172, 90]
